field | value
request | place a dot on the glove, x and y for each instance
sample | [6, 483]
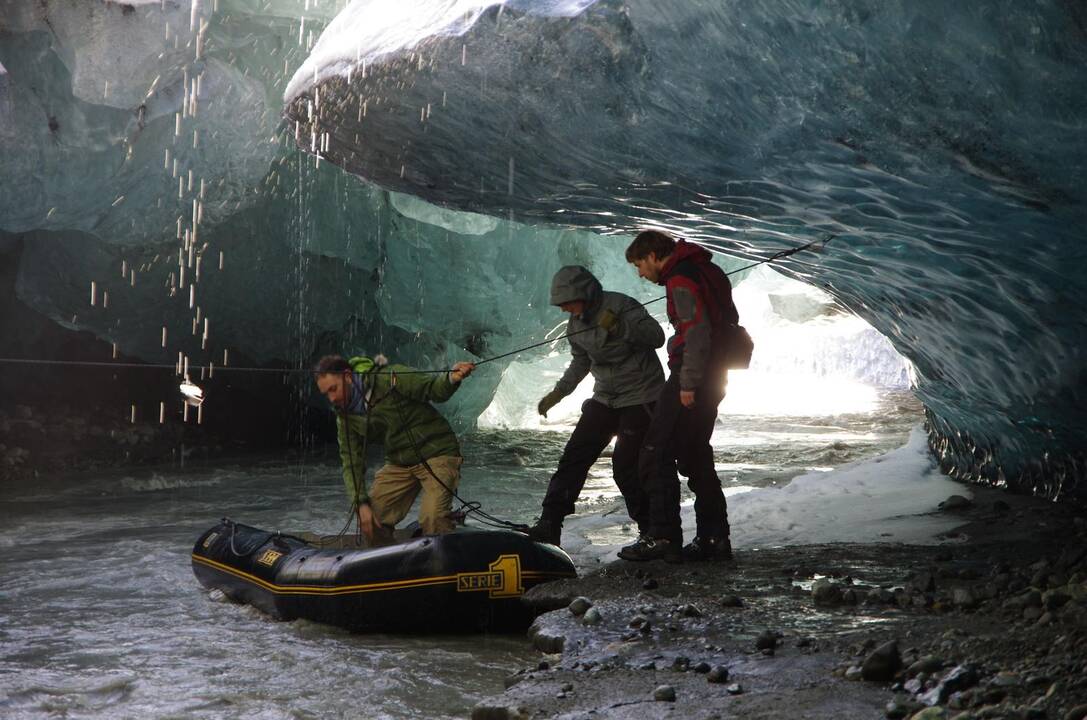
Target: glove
[549, 401]
[609, 320]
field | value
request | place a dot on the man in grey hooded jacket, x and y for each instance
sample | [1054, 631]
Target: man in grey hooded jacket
[614, 338]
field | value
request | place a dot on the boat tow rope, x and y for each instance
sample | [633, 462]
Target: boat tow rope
[307, 371]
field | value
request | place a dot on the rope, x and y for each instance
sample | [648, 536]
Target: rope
[292, 371]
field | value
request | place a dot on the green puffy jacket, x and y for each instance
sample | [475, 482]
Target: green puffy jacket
[400, 417]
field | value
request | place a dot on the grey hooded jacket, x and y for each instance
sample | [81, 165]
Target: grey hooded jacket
[623, 363]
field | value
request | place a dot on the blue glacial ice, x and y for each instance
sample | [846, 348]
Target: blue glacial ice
[942, 147]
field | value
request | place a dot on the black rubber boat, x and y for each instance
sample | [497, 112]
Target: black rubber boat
[467, 581]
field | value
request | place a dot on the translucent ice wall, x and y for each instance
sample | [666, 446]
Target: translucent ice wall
[942, 146]
[151, 197]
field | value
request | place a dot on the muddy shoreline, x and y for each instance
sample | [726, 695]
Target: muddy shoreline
[990, 623]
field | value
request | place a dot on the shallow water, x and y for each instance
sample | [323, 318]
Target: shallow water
[100, 615]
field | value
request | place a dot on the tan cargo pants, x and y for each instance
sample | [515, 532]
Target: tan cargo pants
[395, 488]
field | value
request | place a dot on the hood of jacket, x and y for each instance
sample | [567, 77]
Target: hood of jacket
[575, 282]
[684, 251]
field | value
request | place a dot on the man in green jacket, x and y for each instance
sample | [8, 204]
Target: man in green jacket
[390, 404]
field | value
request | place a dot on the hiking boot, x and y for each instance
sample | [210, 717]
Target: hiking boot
[648, 548]
[546, 531]
[708, 548]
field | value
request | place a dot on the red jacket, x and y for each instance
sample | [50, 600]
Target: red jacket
[699, 298]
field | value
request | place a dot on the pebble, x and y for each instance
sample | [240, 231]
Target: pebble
[731, 601]
[882, 664]
[719, 674]
[591, 617]
[690, 611]
[580, 605]
[650, 584]
[735, 689]
[702, 668]
[665, 693]
[767, 640]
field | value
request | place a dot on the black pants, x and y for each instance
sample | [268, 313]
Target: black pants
[680, 437]
[595, 429]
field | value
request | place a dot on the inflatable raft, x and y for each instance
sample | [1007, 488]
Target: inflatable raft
[467, 581]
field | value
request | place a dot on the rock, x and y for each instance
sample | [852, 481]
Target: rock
[731, 601]
[665, 693]
[854, 672]
[702, 668]
[882, 664]
[1079, 712]
[825, 592]
[681, 663]
[498, 712]
[735, 689]
[580, 605]
[901, 707]
[964, 598]
[766, 640]
[931, 713]
[650, 584]
[690, 611]
[955, 503]
[545, 641]
[1005, 678]
[927, 664]
[719, 674]
[957, 679]
[591, 617]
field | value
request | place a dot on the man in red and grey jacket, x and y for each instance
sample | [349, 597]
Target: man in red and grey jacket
[699, 307]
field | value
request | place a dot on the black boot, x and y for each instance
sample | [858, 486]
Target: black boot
[546, 530]
[708, 548]
[648, 548]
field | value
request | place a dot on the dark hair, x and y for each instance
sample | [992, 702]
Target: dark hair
[659, 243]
[331, 364]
